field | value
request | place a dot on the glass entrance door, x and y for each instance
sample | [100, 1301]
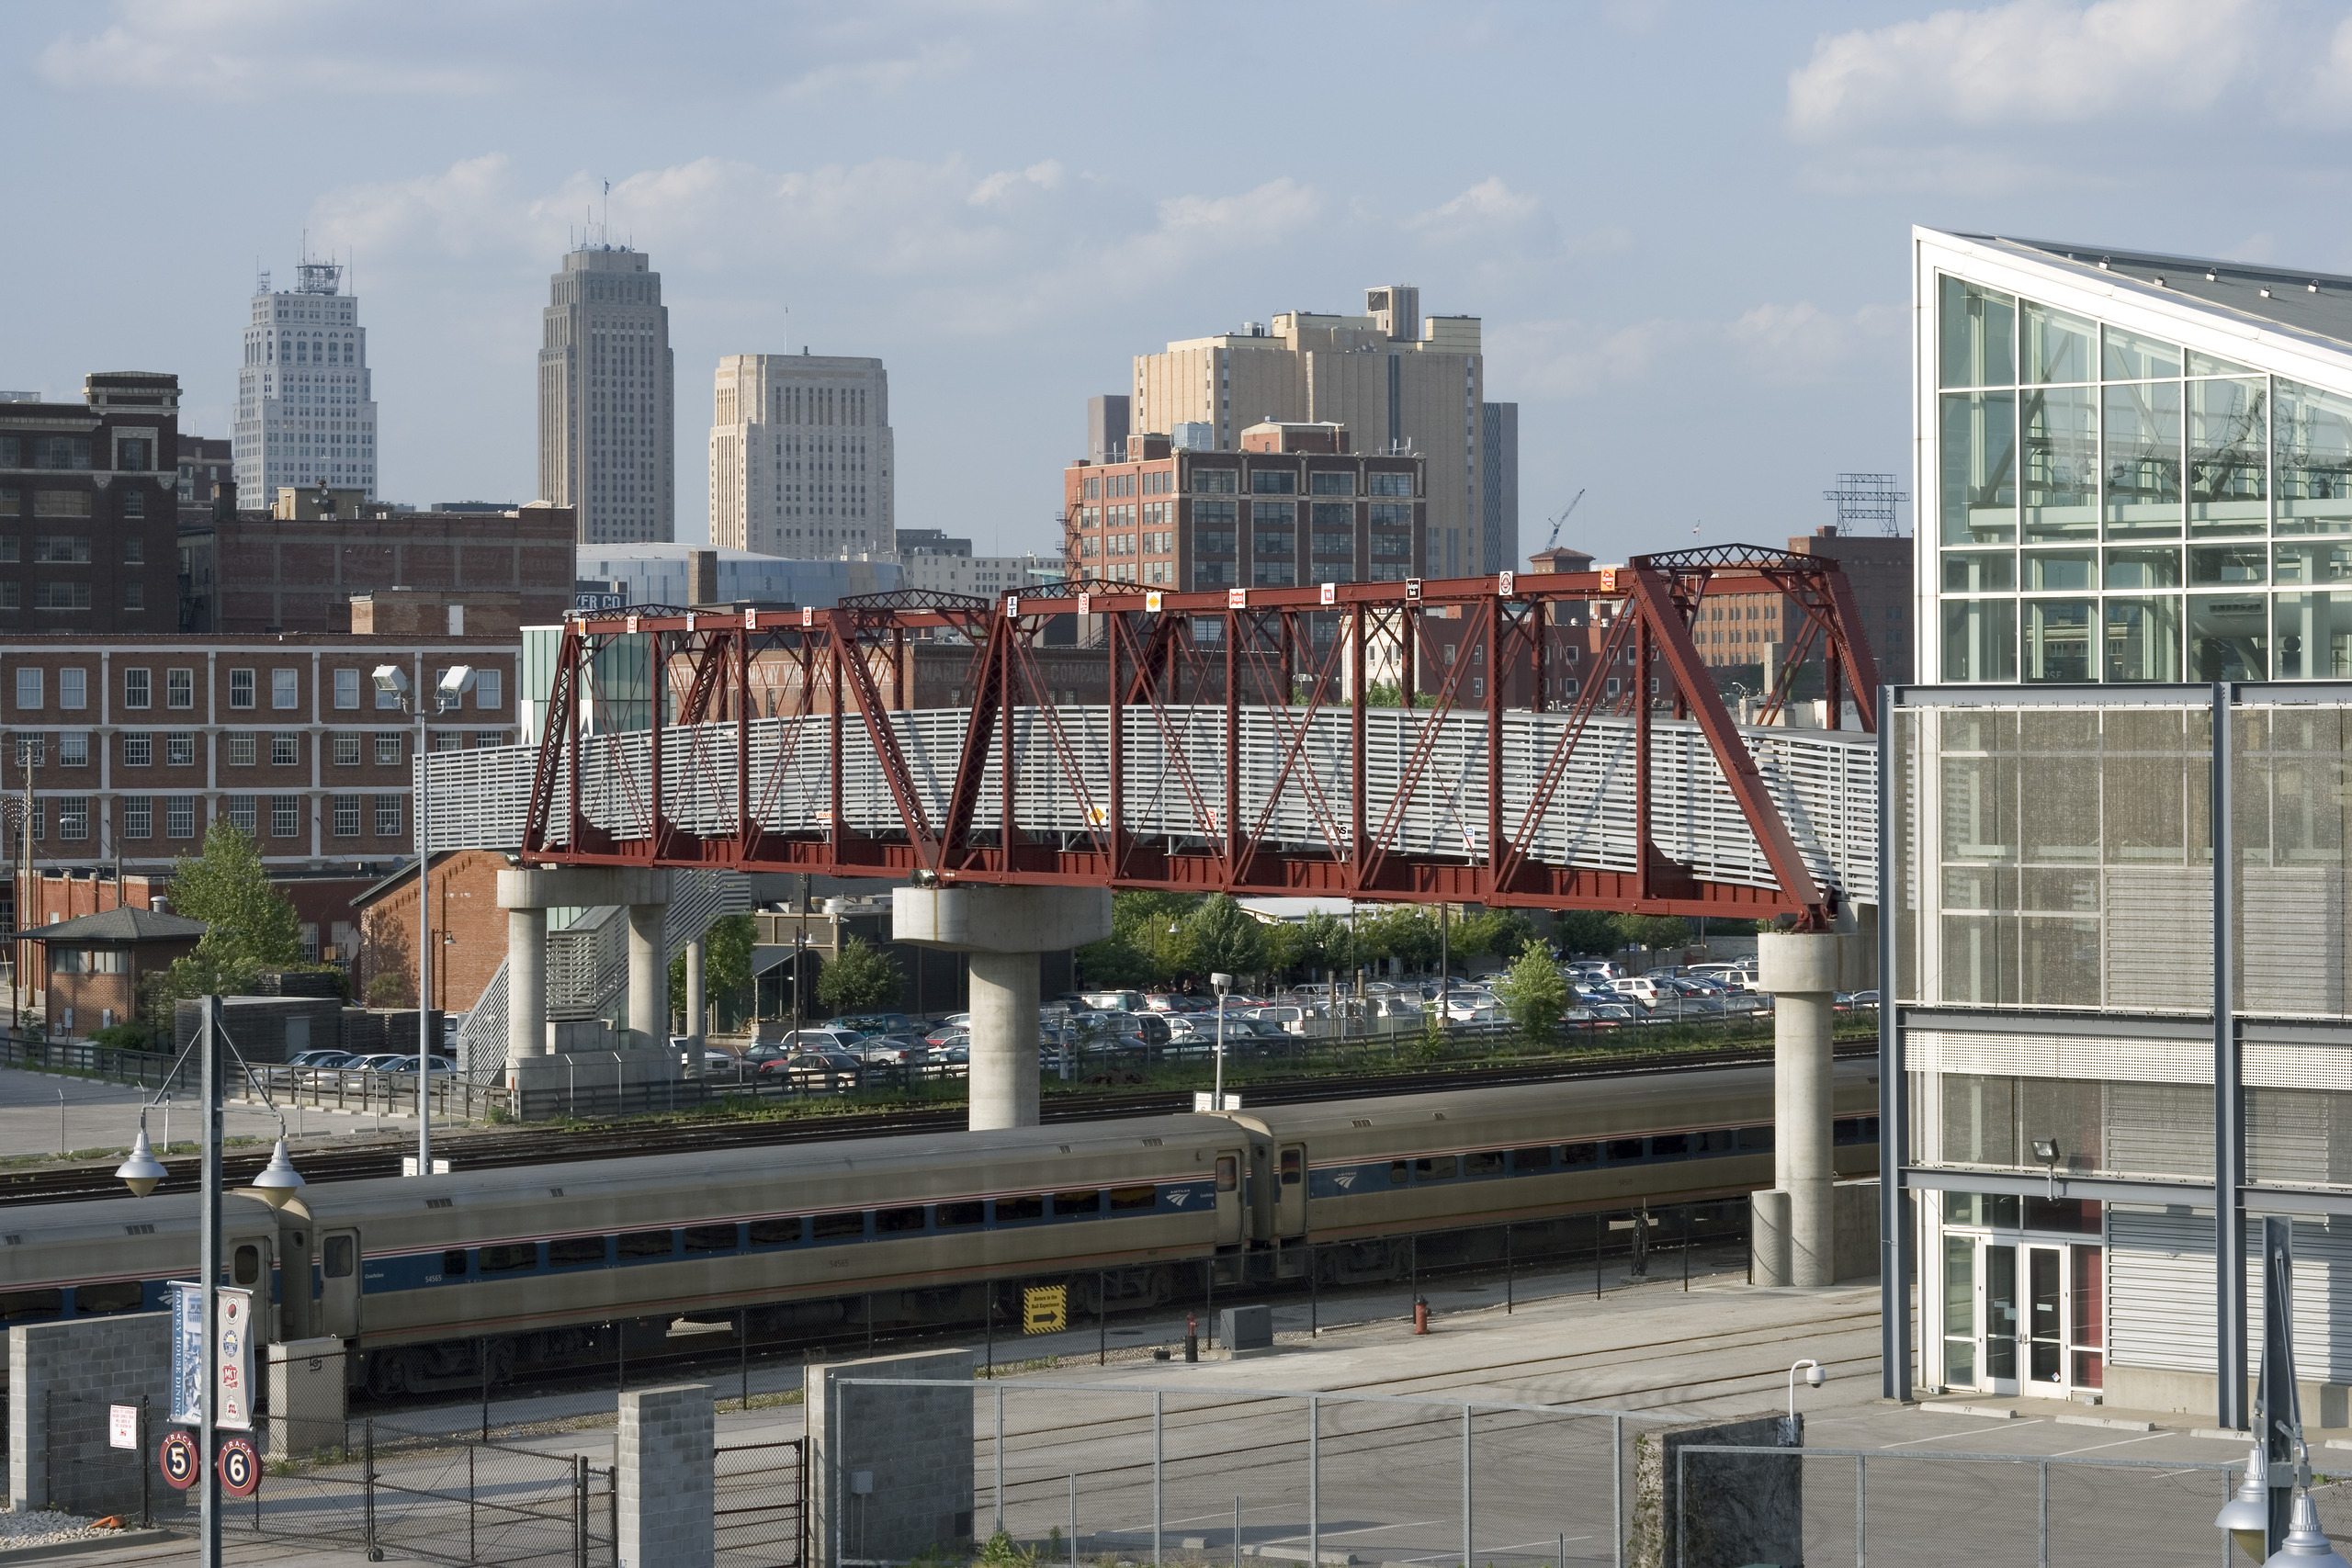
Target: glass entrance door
[2045, 1325]
[2000, 1318]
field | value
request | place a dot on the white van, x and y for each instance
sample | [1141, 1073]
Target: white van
[1640, 988]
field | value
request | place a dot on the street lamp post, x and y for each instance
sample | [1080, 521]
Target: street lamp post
[1222, 983]
[449, 695]
[275, 1185]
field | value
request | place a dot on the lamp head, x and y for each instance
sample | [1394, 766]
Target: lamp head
[2045, 1150]
[279, 1180]
[142, 1170]
[2306, 1545]
[2246, 1515]
[1222, 983]
[454, 682]
[391, 679]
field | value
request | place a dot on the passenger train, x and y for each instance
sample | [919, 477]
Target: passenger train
[535, 1267]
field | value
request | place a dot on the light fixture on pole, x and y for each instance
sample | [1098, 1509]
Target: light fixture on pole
[1222, 983]
[2306, 1545]
[142, 1170]
[2246, 1515]
[2046, 1151]
[449, 695]
[1814, 1377]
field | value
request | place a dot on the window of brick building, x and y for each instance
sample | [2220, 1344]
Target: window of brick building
[29, 687]
[387, 816]
[488, 689]
[239, 811]
[72, 817]
[387, 748]
[240, 688]
[286, 688]
[138, 688]
[179, 688]
[285, 816]
[286, 748]
[138, 750]
[346, 688]
[238, 749]
[179, 817]
[138, 816]
[74, 748]
[347, 816]
[179, 750]
[346, 750]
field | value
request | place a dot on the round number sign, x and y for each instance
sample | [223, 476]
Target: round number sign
[181, 1466]
[240, 1468]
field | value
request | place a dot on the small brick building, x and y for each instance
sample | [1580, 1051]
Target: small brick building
[469, 928]
[93, 966]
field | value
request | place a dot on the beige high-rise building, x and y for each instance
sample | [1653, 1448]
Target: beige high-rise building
[800, 455]
[1399, 381]
[608, 397]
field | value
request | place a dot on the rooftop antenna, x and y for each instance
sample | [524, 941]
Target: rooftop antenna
[603, 223]
[1866, 498]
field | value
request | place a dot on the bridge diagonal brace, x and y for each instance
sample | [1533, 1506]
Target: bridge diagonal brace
[859, 674]
[1652, 596]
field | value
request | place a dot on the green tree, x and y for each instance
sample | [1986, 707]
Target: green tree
[726, 969]
[1223, 938]
[1584, 932]
[1286, 951]
[1404, 933]
[1115, 963]
[1327, 942]
[862, 979]
[250, 926]
[1652, 930]
[1533, 993]
[1493, 930]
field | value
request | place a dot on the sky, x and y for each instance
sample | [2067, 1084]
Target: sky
[1685, 225]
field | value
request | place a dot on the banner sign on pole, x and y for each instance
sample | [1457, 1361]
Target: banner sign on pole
[235, 1411]
[188, 1352]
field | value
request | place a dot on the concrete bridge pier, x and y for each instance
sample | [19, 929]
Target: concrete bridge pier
[1796, 1223]
[1005, 931]
[527, 895]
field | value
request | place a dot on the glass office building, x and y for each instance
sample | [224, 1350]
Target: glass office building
[2135, 467]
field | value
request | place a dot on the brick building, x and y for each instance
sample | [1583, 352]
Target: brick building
[129, 749]
[255, 573]
[90, 509]
[207, 470]
[90, 969]
[469, 929]
[1293, 505]
[1738, 630]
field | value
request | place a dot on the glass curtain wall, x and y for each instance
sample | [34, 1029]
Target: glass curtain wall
[2115, 507]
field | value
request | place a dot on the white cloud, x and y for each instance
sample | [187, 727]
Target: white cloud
[232, 50]
[466, 208]
[1006, 184]
[1771, 345]
[886, 77]
[2029, 62]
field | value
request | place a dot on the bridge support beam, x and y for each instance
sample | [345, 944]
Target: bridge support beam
[696, 952]
[529, 894]
[1804, 972]
[1005, 930]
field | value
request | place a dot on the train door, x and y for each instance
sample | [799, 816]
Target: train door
[297, 1293]
[1290, 1193]
[1229, 1197]
[339, 1284]
[1261, 1193]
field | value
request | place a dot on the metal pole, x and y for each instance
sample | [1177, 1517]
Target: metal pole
[2229, 1126]
[482, 1354]
[1073, 1520]
[1314, 1482]
[208, 1261]
[423, 943]
[2044, 1468]
[1102, 1320]
[999, 1459]
[368, 1489]
[1511, 1302]
[1616, 1492]
[1159, 1495]
[1468, 1559]
[1681, 1505]
[1314, 1296]
[1237, 1533]
[471, 1549]
[744, 1353]
[1862, 1491]
[1894, 1102]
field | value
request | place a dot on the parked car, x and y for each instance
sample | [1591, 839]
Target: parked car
[816, 1070]
[877, 1023]
[947, 1034]
[408, 1065]
[319, 1059]
[821, 1037]
[890, 1049]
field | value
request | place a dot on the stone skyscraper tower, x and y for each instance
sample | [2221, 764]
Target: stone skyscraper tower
[800, 455]
[607, 398]
[306, 409]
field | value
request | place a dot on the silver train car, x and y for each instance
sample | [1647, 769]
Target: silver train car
[439, 1283]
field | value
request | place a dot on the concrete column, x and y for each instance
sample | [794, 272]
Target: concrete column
[889, 1472]
[1802, 972]
[1005, 930]
[667, 1479]
[649, 979]
[526, 983]
[697, 1009]
[1004, 1040]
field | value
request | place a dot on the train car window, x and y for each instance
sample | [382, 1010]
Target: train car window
[1398, 1171]
[1438, 1168]
[246, 1265]
[835, 1227]
[1532, 1159]
[1756, 1140]
[1716, 1141]
[775, 1233]
[1138, 1200]
[16, 1306]
[573, 1250]
[1228, 1173]
[1624, 1151]
[453, 1263]
[1854, 1130]
[1077, 1205]
[508, 1259]
[334, 1259]
[897, 1222]
[710, 1238]
[959, 1216]
[1574, 1154]
[1671, 1145]
[647, 1243]
[1293, 1166]
[1029, 1207]
[1488, 1163]
[122, 1296]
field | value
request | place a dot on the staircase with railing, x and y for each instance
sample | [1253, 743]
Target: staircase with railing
[587, 964]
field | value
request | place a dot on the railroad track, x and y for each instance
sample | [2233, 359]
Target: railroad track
[490, 1151]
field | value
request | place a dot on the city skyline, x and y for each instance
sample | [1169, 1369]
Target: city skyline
[1695, 268]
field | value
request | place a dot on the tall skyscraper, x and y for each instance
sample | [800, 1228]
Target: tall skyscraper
[1399, 381]
[800, 455]
[608, 397]
[306, 406]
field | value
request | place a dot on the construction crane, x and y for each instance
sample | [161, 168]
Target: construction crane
[1557, 522]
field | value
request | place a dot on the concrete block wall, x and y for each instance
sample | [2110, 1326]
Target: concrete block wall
[890, 1469]
[61, 1379]
[1743, 1508]
[666, 1462]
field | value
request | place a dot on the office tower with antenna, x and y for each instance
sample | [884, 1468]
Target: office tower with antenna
[607, 395]
[306, 404]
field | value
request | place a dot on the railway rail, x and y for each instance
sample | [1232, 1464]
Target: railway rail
[490, 1151]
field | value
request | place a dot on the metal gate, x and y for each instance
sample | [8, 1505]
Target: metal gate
[759, 1502]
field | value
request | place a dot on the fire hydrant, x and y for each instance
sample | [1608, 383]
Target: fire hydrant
[1420, 1315]
[1192, 1338]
